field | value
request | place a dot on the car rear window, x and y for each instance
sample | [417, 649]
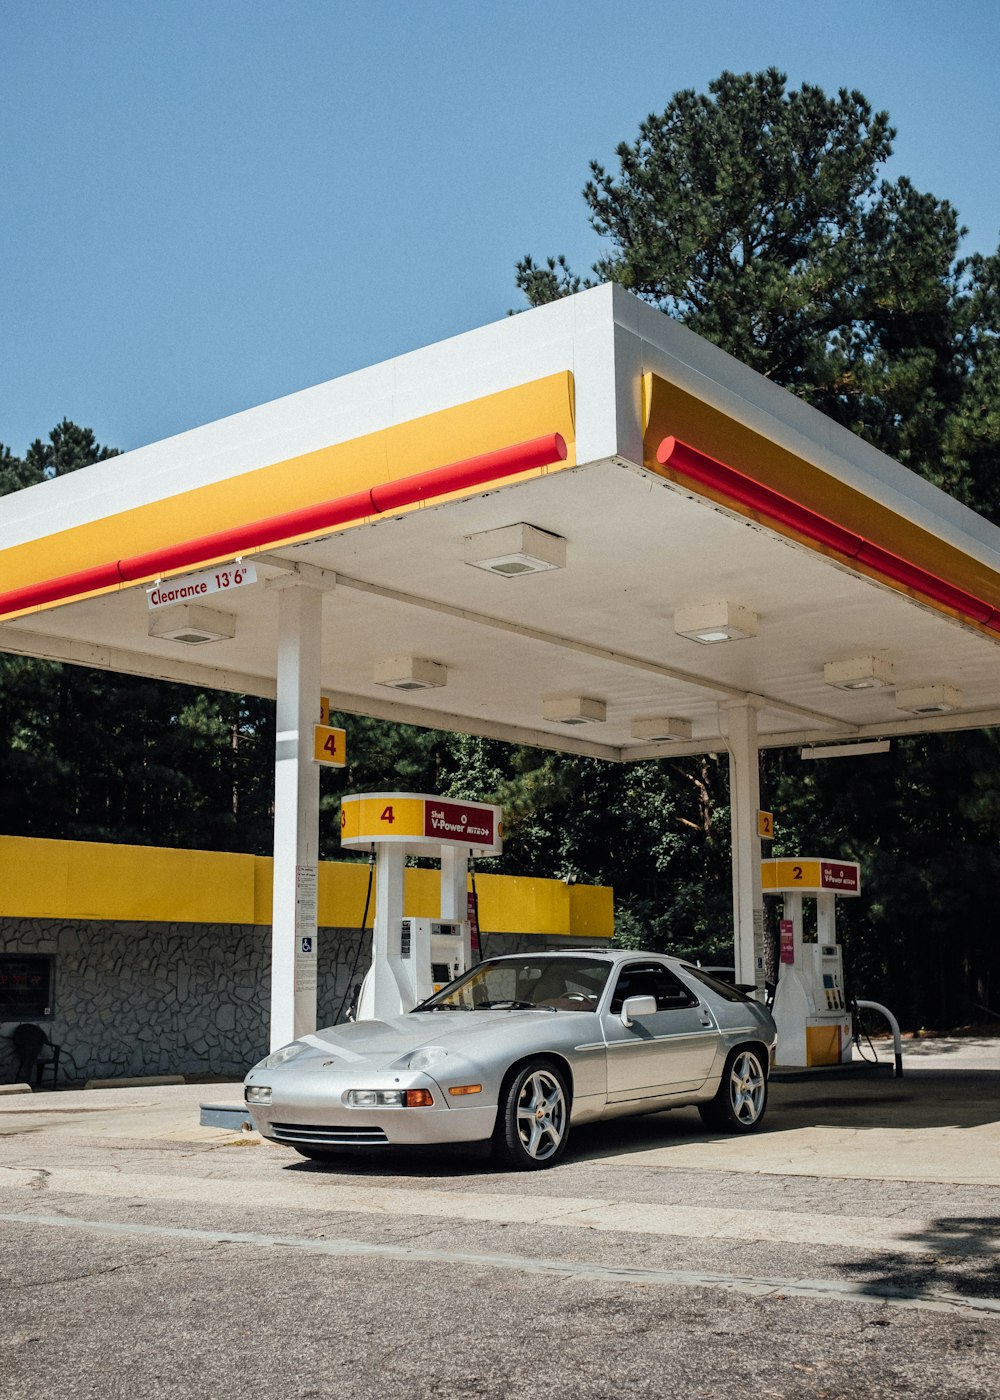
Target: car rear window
[721, 989]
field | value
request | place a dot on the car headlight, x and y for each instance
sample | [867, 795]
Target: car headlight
[389, 1098]
[282, 1056]
[258, 1093]
[429, 1055]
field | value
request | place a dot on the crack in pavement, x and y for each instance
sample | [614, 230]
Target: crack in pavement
[561, 1269]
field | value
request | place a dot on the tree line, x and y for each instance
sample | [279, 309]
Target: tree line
[759, 216]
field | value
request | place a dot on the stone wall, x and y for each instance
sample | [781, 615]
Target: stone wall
[145, 999]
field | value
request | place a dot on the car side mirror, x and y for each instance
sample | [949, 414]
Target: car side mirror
[635, 1007]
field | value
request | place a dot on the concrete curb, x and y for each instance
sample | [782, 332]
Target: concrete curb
[149, 1081]
[16, 1089]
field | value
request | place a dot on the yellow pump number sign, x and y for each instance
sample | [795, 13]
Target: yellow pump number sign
[330, 746]
[417, 819]
[810, 875]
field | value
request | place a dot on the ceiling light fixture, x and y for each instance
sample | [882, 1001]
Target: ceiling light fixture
[715, 622]
[654, 731]
[410, 673]
[574, 709]
[191, 623]
[860, 673]
[929, 699]
[516, 549]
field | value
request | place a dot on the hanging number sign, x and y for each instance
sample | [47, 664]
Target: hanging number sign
[330, 746]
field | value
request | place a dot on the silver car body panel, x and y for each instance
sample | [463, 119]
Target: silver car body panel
[673, 1058]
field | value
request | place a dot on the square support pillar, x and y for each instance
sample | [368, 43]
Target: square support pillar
[455, 895]
[296, 816]
[744, 798]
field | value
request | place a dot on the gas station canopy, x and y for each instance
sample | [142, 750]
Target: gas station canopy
[582, 527]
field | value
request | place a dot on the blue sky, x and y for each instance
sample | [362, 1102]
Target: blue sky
[210, 203]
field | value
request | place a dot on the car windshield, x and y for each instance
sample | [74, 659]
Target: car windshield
[510, 984]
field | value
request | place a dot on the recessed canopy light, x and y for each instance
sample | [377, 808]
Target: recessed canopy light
[929, 699]
[191, 623]
[715, 622]
[860, 673]
[410, 673]
[660, 730]
[516, 549]
[574, 709]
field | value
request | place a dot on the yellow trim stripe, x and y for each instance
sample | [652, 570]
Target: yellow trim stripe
[151, 884]
[391, 454]
[671, 412]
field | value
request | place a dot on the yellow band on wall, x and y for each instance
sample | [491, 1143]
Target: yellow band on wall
[151, 884]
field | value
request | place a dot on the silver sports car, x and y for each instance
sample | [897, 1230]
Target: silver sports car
[512, 1051]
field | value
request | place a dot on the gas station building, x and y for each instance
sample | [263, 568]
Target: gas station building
[582, 528]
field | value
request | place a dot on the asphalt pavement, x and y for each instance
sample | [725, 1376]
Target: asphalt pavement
[849, 1249]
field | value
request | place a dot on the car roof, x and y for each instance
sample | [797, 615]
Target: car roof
[614, 955]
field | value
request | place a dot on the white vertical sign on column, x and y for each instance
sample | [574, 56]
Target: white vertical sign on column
[296, 816]
[306, 908]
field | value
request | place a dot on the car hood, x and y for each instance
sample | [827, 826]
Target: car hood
[382, 1043]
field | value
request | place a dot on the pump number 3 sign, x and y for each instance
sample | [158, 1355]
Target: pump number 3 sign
[330, 746]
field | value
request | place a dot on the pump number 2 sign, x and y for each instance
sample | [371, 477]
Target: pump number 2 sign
[330, 746]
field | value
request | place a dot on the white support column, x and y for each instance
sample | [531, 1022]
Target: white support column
[826, 917]
[455, 895]
[454, 884]
[296, 815]
[744, 791]
[388, 988]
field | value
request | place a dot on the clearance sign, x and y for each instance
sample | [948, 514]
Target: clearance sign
[418, 820]
[811, 875]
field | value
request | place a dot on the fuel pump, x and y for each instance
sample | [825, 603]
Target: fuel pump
[412, 956]
[810, 1009]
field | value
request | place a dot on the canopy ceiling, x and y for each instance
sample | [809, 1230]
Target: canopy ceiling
[601, 380]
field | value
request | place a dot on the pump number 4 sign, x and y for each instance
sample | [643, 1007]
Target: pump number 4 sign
[330, 746]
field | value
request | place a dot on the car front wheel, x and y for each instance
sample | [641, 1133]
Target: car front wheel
[533, 1117]
[739, 1104]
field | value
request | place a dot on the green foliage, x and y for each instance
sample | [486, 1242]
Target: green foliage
[14, 474]
[544, 284]
[756, 215]
[655, 831]
[69, 448]
[759, 217]
[381, 757]
[91, 755]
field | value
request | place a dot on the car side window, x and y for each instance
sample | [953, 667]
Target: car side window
[651, 980]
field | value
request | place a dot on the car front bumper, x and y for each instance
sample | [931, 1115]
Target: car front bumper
[307, 1112]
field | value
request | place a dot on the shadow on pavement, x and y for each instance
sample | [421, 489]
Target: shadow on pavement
[961, 1254]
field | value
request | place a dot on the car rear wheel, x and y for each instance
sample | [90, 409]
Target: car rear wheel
[533, 1117]
[739, 1105]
